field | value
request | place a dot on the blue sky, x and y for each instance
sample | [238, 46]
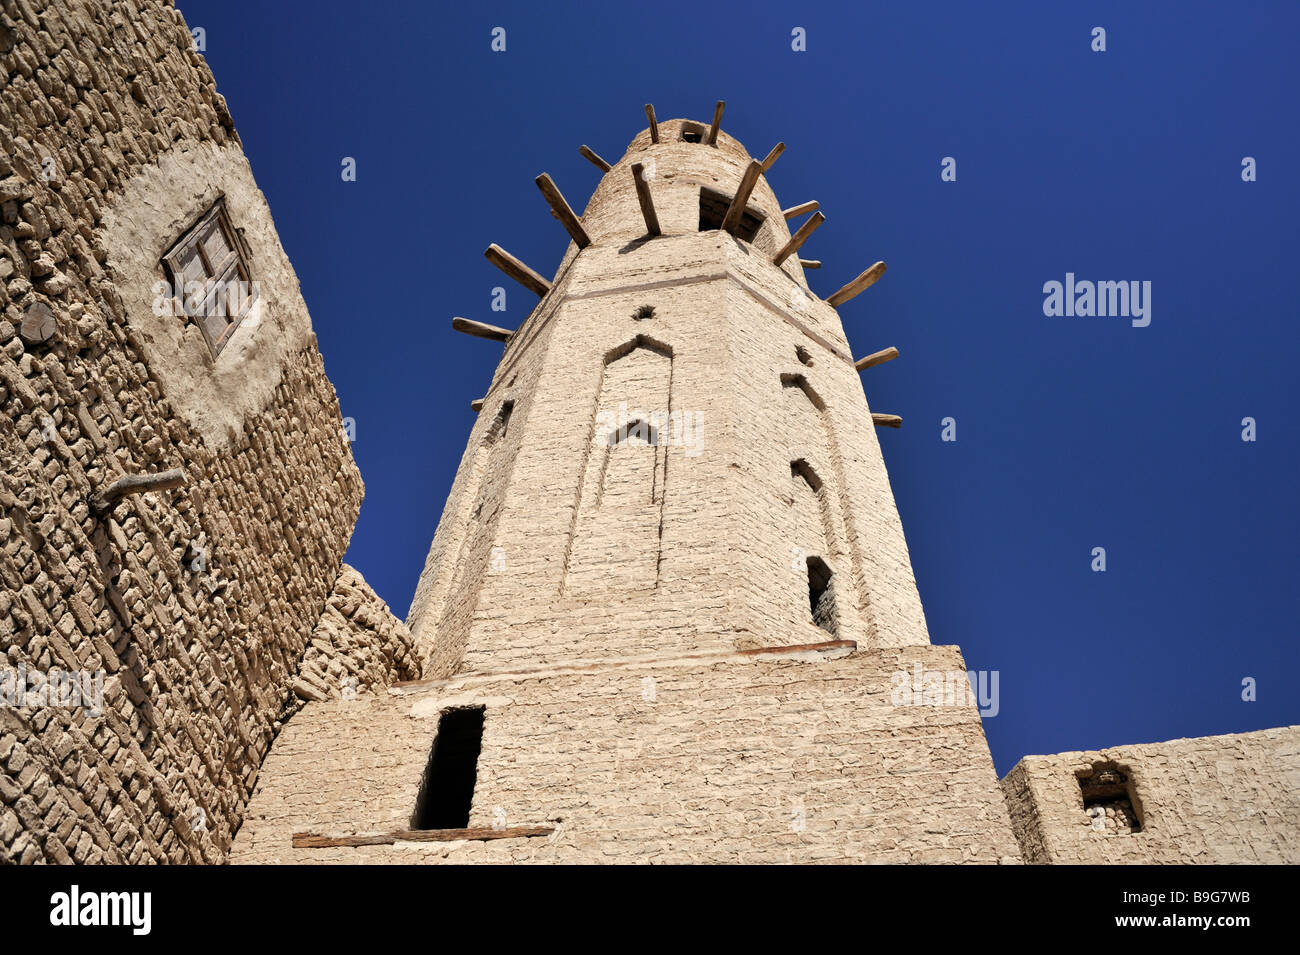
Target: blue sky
[1072, 432]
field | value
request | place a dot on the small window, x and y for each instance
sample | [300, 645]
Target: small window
[447, 789]
[802, 354]
[208, 271]
[1109, 800]
[692, 133]
[821, 598]
[713, 209]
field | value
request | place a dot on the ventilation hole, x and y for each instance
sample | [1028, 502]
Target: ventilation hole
[801, 469]
[692, 133]
[447, 789]
[713, 209]
[1110, 800]
[644, 311]
[802, 354]
[821, 598]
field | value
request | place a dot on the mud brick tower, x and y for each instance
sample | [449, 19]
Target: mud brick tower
[669, 590]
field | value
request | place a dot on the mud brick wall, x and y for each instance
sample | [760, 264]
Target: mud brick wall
[196, 603]
[1213, 799]
[524, 570]
[768, 757]
[357, 646]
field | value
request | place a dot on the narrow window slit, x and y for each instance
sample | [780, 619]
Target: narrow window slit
[447, 789]
[821, 598]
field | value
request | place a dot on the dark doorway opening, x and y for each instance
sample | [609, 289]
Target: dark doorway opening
[447, 789]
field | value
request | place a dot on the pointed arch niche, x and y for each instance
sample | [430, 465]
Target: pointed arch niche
[614, 540]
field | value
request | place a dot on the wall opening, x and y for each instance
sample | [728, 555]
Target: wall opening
[713, 209]
[1110, 800]
[821, 598]
[447, 789]
[803, 355]
[692, 133]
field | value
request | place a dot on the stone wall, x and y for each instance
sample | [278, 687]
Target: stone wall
[1213, 799]
[358, 646]
[740, 757]
[193, 605]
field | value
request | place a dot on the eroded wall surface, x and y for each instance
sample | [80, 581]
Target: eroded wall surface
[774, 756]
[192, 605]
[1212, 799]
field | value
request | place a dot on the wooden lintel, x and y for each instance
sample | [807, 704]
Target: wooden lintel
[717, 123]
[799, 238]
[646, 200]
[310, 840]
[795, 211]
[731, 221]
[521, 273]
[654, 123]
[876, 358]
[103, 500]
[555, 199]
[595, 160]
[859, 284]
[773, 156]
[886, 420]
[811, 263]
[480, 329]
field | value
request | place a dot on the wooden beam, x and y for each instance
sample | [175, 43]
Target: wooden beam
[717, 123]
[654, 123]
[480, 330]
[596, 160]
[886, 421]
[859, 284]
[795, 211]
[799, 238]
[773, 156]
[811, 263]
[476, 405]
[572, 224]
[103, 500]
[731, 221]
[310, 840]
[521, 273]
[876, 358]
[646, 200]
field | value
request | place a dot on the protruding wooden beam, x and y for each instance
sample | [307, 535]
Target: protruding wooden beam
[476, 405]
[102, 501]
[654, 123]
[886, 420]
[811, 263]
[521, 273]
[738, 202]
[596, 160]
[795, 212]
[717, 123]
[773, 156]
[311, 840]
[876, 358]
[572, 224]
[481, 330]
[799, 238]
[644, 198]
[859, 284]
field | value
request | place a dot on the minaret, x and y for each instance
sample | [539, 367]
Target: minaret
[668, 613]
[675, 454]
